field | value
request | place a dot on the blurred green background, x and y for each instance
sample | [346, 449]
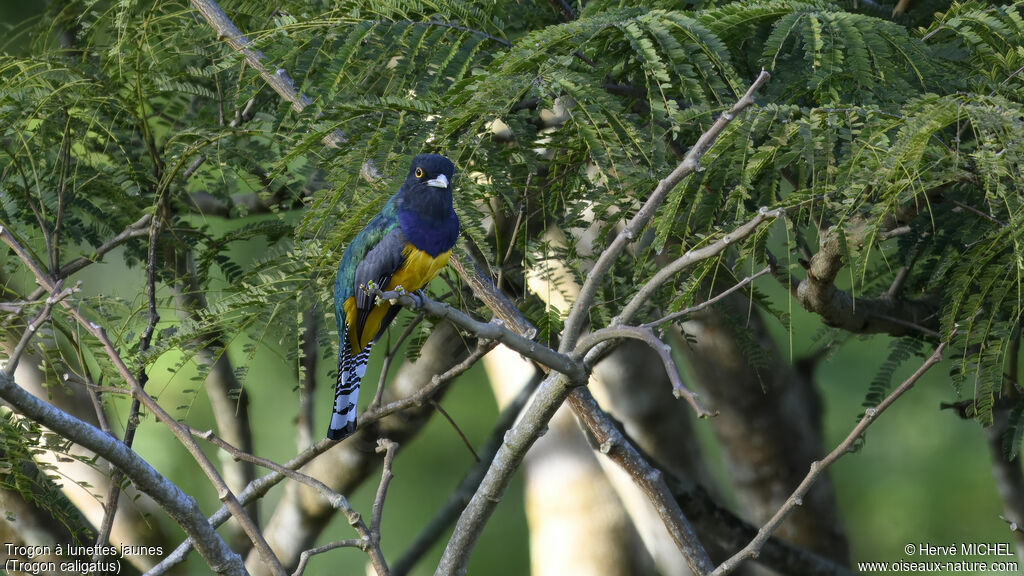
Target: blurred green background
[923, 475]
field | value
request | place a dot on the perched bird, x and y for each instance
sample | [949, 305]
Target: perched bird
[405, 245]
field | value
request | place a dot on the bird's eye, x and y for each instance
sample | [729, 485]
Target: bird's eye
[419, 172]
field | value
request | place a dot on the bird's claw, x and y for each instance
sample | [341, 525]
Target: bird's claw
[421, 298]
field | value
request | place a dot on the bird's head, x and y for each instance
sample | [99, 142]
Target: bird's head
[427, 188]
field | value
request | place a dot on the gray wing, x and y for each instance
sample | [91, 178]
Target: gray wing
[379, 264]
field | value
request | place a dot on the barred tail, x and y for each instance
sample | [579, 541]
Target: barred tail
[346, 392]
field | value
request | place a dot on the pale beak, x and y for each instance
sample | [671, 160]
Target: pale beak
[440, 182]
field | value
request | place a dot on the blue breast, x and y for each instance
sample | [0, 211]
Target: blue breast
[433, 236]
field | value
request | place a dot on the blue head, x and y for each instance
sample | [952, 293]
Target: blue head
[424, 204]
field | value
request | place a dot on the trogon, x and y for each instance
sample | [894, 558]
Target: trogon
[404, 246]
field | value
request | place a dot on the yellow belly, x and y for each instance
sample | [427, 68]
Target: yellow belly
[418, 269]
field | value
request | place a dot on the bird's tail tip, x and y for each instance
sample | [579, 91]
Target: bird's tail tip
[342, 432]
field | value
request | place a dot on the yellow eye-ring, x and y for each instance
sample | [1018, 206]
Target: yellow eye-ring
[419, 172]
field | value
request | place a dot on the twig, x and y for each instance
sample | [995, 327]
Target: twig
[98, 332]
[369, 540]
[389, 448]
[278, 79]
[646, 335]
[455, 26]
[690, 258]
[136, 229]
[977, 212]
[307, 554]
[389, 358]
[114, 492]
[1013, 526]
[373, 414]
[337, 500]
[459, 498]
[709, 302]
[33, 326]
[752, 549]
[448, 417]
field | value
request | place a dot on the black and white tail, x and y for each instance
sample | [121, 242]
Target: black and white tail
[346, 392]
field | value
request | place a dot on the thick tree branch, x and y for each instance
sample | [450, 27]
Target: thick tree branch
[462, 494]
[886, 314]
[619, 449]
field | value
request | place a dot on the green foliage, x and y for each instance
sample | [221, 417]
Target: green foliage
[559, 129]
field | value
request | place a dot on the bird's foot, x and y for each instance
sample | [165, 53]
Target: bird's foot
[420, 297]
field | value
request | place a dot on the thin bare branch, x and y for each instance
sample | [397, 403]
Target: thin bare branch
[691, 162]
[254, 491]
[818, 468]
[32, 327]
[690, 258]
[369, 540]
[709, 302]
[646, 335]
[392, 352]
[459, 498]
[136, 229]
[337, 500]
[277, 78]
[389, 448]
[307, 554]
[373, 414]
[462, 436]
